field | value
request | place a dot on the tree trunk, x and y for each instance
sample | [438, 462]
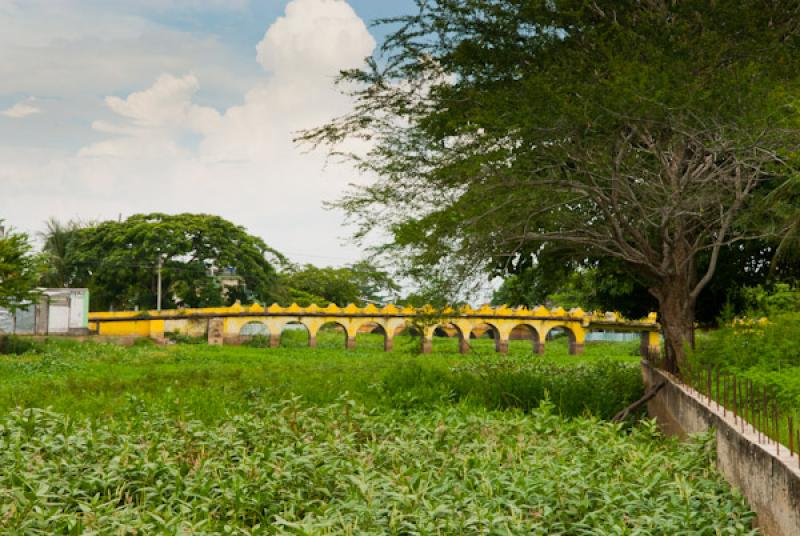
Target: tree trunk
[676, 308]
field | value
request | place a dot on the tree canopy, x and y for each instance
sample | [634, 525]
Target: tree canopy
[643, 132]
[359, 283]
[19, 269]
[118, 261]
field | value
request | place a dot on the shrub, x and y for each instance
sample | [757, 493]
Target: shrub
[12, 344]
[601, 388]
[257, 341]
[181, 338]
[769, 346]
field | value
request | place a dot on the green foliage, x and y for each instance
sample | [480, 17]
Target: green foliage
[94, 379]
[556, 276]
[287, 467]
[600, 388]
[186, 438]
[359, 283]
[182, 338]
[257, 341]
[12, 344]
[118, 262]
[59, 240]
[19, 270]
[771, 302]
[772, 346]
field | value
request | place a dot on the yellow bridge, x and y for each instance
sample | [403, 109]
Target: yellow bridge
[236, 324]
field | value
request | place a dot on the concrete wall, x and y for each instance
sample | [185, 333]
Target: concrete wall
[770, 481]
[59, 311]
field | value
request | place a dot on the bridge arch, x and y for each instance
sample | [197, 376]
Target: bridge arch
[525, 330]
[377, 327]
[340, 327]
[248, 330]
[254, 328]
[456, 329]
[488, 329]
[295, 333]
[575, 335]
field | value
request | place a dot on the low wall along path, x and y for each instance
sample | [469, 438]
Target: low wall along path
[766, 472]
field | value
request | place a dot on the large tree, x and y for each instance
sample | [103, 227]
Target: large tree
[119, 262]
[19, 269]
[640, 131]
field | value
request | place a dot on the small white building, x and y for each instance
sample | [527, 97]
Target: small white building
[59, 311]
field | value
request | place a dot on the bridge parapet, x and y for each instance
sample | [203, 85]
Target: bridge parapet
[226, 324]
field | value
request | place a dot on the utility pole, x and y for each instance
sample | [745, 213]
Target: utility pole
[160, 262]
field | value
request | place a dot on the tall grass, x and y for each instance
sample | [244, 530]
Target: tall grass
[97, 379]
[600, 388]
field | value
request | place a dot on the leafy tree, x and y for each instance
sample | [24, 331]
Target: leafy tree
[359, 283]
[636, 131]
[554, 276]
[19, 269]
[57, 238]
[119, 261]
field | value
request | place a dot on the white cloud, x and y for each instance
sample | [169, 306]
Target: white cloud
[315, 38]
[152, 118]
[22, 109]
[157, 148]
[168, 103]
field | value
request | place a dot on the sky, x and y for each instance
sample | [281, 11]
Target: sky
[110, 108]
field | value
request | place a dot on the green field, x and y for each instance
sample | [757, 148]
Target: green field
[191, 439]
[102, 380]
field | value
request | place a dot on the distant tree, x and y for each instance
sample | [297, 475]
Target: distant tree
[57, 238]
[639, 131]
[359, 283]
[374, 284]
[19, 269]
[119, 262]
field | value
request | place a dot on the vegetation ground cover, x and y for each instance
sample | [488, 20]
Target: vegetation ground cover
[97, 438]
[288, 467]
[102, 380]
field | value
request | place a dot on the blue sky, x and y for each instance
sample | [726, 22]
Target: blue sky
[111, 107]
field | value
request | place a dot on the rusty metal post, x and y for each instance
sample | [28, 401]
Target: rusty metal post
[708, 384]
[725, 395]
[765, 418]
[743, 403]
[791, 436]
[777, 426]
[735, 408]
[717, 397]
